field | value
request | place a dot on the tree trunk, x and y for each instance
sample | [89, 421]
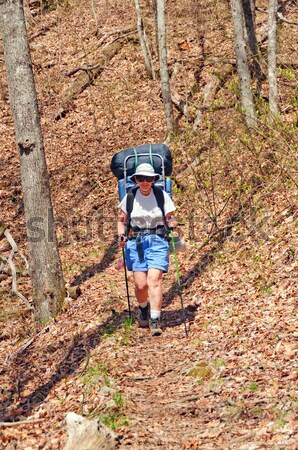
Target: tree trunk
[272, 73]
[242, 64]
[252, 38]
[45, 266]
[154, 13]
[144, 43]
[163, 65]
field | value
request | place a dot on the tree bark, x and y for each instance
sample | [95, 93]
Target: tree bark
[163, 65]
[272, 71]
[154, 14]
[44, 262]
[144, 42]
[242, 63]
[251, 37]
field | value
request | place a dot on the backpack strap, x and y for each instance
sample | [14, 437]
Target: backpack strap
[160, 199]
[129, 206]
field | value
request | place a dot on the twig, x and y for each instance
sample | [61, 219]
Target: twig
[21, 422]
[283, 19]
[14, 284]
[44, 330]
[15, 247]
[10, 262]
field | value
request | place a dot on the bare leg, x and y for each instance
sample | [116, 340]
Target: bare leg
[141, 286]
[154, 281]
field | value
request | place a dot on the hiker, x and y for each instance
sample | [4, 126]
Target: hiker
[146, 250]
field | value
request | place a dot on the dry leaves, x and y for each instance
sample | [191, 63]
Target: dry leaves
[233, 383]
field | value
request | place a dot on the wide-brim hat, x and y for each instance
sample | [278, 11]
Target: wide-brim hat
[146, 170]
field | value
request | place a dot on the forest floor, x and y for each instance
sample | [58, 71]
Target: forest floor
[231, 383]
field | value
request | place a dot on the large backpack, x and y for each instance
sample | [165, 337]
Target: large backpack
[124, 164]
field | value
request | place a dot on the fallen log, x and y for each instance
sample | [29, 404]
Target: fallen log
[214, 83]
[86, 78]
[84, 434]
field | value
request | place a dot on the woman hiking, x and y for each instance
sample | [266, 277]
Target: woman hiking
[146, 250]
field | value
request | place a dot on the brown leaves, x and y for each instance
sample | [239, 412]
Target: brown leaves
[240, 294]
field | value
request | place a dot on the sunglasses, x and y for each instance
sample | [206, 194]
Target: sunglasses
[144, 178]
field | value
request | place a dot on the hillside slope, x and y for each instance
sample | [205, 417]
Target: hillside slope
[232, 383]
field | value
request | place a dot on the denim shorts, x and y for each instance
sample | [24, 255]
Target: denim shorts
[156, 254]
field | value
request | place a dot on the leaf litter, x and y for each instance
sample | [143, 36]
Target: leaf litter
[232, 384]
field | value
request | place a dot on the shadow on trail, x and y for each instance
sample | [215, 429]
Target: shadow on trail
[108, 257]
[175, 318]
[187, 279]
[23, 369]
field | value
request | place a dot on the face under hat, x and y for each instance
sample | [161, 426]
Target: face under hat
[146, 170]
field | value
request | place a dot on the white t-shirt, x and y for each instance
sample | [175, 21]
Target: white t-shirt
[145, 212]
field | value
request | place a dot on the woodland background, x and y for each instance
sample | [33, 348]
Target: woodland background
[232, 384]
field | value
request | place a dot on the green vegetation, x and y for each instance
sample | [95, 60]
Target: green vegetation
[109, 402]
[114, 421]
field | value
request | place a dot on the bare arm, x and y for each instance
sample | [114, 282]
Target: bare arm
[121, 227]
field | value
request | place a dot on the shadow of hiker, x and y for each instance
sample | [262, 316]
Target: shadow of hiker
[24, 366]
[175, 318]
[208, 257]
[187, 279]
[108, 257]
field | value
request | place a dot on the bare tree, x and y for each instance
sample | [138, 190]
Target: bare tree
[163, 65]
[154, 14]
[272, 71]
[44, 261]
[249, 20]
[144, 42]
[242, 63]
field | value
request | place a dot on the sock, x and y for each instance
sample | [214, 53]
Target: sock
[154, 314]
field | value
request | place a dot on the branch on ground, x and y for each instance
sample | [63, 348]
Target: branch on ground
[9, 261]
[283, 19]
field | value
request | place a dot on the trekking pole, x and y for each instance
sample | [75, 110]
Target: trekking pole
[178, 282]
[126, 282]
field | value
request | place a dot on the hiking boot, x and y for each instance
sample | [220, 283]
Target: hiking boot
[143, 318]
[155, 327]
